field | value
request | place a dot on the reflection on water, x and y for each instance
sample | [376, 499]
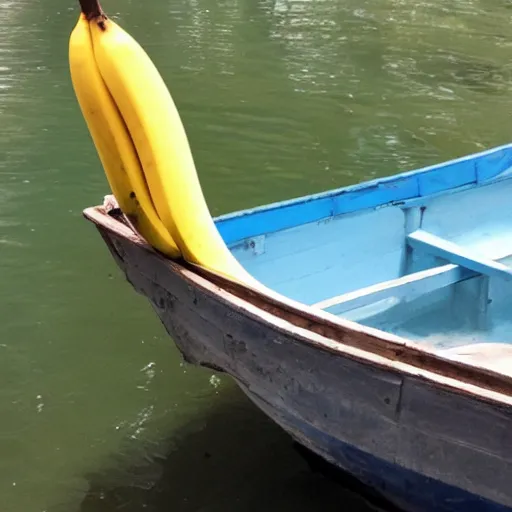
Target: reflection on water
[231, 458]
[279, 98]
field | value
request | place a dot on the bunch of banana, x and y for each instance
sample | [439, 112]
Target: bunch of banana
[142, 144]
[113, 141]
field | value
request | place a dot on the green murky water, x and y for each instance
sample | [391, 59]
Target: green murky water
[279, 98]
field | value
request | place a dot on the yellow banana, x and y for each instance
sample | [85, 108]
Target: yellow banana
[161, 143]
[113, 143]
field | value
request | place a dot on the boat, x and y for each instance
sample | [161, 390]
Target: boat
[385, 347]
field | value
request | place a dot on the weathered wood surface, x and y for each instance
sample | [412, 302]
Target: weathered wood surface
[453, 431]
[408, 490]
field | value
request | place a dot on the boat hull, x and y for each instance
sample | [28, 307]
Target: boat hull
[421, 446]
[391, 486]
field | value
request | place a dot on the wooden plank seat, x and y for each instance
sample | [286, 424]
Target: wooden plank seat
[405, 288]
[464, 265]
[454, 253]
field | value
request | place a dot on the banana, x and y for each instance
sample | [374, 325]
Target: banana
[163, 149]
[113, 143]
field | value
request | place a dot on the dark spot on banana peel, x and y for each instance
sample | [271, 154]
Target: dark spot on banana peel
[132, 195]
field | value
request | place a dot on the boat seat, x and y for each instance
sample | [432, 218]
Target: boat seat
[465, 264]
[454, 253]
[404, 288]
[494, 356]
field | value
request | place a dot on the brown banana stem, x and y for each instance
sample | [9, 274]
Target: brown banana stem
[92, 9]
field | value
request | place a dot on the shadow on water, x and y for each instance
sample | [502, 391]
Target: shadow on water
[232, 458]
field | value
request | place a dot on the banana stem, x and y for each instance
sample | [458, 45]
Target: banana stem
[92, 9]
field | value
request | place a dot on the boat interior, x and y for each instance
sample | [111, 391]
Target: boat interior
[425, 255]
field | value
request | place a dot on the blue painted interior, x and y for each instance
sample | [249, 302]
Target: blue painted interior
[326, 245]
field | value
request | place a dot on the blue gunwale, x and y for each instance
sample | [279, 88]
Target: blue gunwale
[461, 173]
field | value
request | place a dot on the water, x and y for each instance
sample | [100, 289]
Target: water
[279, 99]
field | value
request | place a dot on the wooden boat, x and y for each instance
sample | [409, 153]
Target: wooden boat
[387, 349]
